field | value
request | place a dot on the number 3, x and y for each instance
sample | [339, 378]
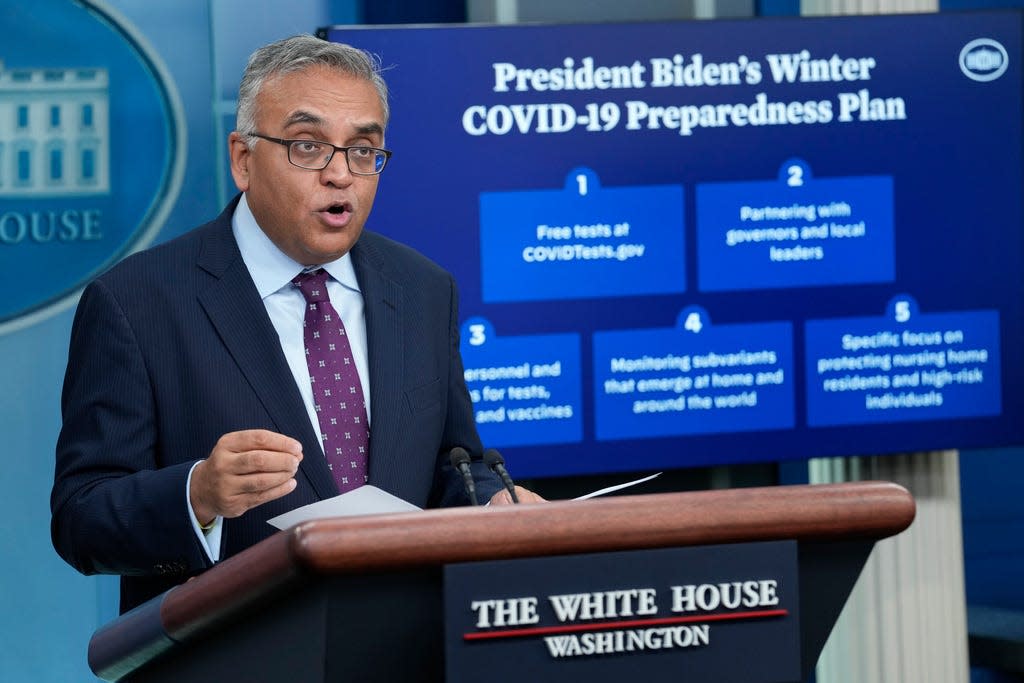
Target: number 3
[476, 335]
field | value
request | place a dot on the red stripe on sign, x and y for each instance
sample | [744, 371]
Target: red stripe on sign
[576, 628]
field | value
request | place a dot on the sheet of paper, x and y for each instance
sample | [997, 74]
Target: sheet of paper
[365, 500]
[370, 500]
[609, 489]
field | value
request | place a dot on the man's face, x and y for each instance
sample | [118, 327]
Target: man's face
[312, 216]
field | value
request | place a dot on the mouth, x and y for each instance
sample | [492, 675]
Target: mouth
[336, 214]
[337, 208]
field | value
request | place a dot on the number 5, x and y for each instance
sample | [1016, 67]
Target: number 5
[902, 311]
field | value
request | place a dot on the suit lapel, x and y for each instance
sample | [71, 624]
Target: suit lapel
[240, 318]
[382, 299]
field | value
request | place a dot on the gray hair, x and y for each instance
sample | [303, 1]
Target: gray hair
[297, 54]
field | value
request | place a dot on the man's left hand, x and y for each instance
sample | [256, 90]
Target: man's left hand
[524, 495]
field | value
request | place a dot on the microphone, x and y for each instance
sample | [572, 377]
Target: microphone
[494, 460]
[460, 461]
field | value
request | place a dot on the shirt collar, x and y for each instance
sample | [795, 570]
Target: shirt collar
[270, 268]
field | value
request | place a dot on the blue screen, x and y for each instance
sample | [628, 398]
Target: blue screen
[697, 243]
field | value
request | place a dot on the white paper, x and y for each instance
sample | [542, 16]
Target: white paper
[370, 500]
[609, 489]
[365, 500]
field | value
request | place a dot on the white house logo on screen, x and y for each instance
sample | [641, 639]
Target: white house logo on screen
[91, 151]
[983, 59]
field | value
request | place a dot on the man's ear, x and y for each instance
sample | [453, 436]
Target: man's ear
[240, 156]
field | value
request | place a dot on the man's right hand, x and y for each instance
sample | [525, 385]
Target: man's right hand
[245, 469]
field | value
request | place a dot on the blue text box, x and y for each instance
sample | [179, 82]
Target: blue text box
[695, 378]
[525, 390]
[903, 366]
[582, 241]
[796, 231]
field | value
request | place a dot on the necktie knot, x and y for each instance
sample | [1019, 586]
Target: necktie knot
[313, 285]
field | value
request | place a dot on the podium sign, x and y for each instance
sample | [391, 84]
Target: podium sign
[720, 614]
[699, 586]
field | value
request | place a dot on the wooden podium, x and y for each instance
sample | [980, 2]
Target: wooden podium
[360, 598]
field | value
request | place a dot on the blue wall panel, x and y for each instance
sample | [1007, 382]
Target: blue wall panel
[47, 610]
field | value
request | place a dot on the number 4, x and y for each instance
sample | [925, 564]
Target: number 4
[693, 323]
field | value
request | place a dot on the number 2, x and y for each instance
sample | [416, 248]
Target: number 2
[796, 176]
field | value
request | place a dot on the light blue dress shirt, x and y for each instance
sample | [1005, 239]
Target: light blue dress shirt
[272, 271]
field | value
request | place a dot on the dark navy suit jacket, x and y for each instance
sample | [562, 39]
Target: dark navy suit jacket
[172, 348]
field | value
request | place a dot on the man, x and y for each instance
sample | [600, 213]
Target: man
[195, 405]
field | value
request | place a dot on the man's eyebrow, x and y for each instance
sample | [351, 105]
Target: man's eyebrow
[370, 129]
[302, 116]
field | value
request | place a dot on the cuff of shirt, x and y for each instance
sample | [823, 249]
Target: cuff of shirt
[209, 537]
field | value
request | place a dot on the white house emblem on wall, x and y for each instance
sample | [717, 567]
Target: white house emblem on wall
[54, 132]
[93, 145]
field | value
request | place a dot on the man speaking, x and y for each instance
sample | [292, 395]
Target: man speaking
[271, 358]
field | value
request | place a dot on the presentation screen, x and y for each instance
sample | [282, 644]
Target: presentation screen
[709, 242]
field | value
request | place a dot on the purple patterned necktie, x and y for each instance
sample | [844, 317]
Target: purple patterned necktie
[337, 393]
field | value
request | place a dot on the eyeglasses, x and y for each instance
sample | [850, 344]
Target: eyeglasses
[315, 155]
